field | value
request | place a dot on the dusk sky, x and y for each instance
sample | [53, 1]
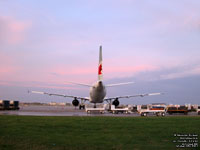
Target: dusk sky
[155, 43]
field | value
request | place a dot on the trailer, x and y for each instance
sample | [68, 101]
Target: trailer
[4, 104]
[158, 110]
[198, 110]
[9, 105]
[14, 105]
[180, 109]
[134, 109]
[116, 110]
[101, 110]
[1, 104]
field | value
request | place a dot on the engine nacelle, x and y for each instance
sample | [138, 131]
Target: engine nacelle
[75, 102]
[116, 102]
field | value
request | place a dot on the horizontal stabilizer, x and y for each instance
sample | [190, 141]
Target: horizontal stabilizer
[152, 94]
[117, 84]
[82, 84]
[37, 92]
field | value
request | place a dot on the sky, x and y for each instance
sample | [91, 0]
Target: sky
[155, 43]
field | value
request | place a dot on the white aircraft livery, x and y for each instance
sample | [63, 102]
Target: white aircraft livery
[98, 90]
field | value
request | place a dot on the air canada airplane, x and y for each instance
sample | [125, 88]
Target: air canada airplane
[97, 91]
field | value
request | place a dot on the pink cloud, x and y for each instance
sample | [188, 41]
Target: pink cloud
[63, 70]
[12, 31]
[4, 69]
[50, 85]
[7, 68]
[130, 69]
[110, 70]
[127, 71]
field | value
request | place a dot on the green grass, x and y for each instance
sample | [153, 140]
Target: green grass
[93, 133]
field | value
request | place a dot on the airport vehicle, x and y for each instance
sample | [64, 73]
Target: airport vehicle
[9, 105]
[116, 110]
[96, 110]
[181, 109]
[134, 109]
[14, 105]
[97, 92]
[158, 110]
[198, 110]
[4, 104]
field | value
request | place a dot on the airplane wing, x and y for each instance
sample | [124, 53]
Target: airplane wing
[62, 95]
[129, 96]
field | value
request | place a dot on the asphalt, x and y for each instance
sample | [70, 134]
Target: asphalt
[34, 110]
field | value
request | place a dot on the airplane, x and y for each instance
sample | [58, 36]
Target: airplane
[97, 92]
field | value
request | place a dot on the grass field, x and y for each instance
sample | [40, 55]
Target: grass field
[94, 133]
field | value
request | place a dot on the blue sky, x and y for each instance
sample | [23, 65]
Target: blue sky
[46, 43]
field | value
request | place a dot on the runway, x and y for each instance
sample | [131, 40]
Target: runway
[34, 110]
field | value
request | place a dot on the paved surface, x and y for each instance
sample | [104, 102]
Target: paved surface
[33, 110]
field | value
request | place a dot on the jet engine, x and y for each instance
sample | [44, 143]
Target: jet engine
[75, 102]
[115, 102]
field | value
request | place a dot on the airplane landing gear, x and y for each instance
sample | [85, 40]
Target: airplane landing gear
[82, 104]
[81, 107]
[95, 105]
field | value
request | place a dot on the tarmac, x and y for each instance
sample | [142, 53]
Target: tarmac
[34, 110]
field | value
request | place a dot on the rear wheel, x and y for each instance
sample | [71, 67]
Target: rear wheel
[163, 114]
[144, 114]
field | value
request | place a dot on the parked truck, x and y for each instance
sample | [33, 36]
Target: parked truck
[158, 110]
[9, 105]
[198, 110]
[4, 104]
[116, 110]
[14, 105]
[98, 109]
[177, 109]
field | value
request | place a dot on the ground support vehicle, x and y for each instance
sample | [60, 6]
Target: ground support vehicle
[181, 109]
[150, 109]
[4, 104]
[14, 105]
[116, 110]
[9, 105]
[198, 110]
[101, 110]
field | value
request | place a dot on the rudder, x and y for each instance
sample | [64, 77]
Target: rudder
[100, 75]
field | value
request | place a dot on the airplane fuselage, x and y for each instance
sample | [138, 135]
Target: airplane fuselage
[97, 92]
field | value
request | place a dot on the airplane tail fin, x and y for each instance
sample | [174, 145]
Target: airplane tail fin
[100, 75]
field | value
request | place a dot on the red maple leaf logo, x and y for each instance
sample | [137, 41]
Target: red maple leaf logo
[100, 69]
